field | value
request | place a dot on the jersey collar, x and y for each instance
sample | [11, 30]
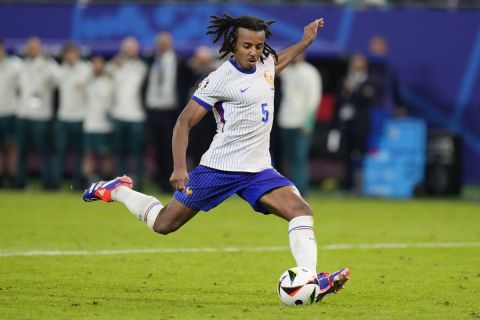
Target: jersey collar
[240, 68]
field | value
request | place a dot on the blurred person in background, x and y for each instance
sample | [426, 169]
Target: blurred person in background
[37, 81]
[97, 125]
[354, 103]
[162, 101]
[9, 70]
[302, 91]
[387, 100]
[200, 66]
[72, 81]
[128, 73]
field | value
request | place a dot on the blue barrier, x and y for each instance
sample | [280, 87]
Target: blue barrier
[399, 165]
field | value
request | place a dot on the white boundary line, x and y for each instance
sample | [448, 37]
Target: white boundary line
[368, 246]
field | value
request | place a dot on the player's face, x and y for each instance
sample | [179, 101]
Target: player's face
[249, 48]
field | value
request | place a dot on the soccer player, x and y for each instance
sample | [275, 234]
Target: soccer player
[240, 94]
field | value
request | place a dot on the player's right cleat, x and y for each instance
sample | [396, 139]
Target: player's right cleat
[102, 190]
[332, 283]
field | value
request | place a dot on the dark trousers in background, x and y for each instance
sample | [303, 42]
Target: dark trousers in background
[128, 138]
[161, 125]
[38, 133]
[354, 134]
[7, 150]
[296, 147]
[69, 135]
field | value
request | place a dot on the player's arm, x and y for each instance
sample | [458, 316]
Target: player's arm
[189, 117]
[309, 35]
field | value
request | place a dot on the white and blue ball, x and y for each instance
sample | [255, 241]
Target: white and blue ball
[298, 286]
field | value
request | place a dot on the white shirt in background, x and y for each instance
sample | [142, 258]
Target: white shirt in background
[243, 107]
[99, 102]
[9, 73]
[37, 80]
[72, 82]
[302, 91]
[161, 89]
[127, 81]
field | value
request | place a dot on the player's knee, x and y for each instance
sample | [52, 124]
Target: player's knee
[164, 228]
[300, 208]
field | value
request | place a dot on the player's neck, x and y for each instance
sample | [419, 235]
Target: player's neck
[240, 68]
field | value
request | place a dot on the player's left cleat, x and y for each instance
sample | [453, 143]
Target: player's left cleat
[102, 190]
[332, 283]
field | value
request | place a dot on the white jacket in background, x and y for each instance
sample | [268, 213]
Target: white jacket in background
[128, 78]
[302, 91]
[9, 73]
[72, 83]
[99, 103]
[37, 80]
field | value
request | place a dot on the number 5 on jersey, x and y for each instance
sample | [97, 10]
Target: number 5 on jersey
[264, 112]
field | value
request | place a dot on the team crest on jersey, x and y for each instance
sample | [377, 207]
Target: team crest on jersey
[203, 84]
[188, 191]
[268, 77]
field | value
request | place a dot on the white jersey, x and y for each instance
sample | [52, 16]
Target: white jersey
[9, 70]
[72, 82]
[99, 104]
[242, 102]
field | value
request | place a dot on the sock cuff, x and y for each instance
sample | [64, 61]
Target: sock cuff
[301, 223]
[150, 215]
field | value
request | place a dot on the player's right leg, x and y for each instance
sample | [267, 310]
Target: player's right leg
[159, 218]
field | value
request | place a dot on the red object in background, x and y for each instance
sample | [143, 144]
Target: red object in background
[326, 110]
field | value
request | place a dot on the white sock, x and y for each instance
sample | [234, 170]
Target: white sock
[302, 242]
[145, 208]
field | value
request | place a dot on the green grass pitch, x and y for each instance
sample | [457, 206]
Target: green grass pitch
[425, 280]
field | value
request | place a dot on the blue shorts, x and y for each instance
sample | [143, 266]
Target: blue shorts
[208, 187]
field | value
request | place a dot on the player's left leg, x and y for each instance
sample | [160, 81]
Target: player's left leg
[286, 202]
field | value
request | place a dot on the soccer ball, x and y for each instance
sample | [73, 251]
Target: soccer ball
[298, 286]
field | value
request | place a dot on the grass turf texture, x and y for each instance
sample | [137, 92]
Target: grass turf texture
[414, 283]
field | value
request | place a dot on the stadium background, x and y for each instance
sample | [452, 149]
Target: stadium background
[437, 62]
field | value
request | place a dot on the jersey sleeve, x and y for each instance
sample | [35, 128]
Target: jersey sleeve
[210, 90]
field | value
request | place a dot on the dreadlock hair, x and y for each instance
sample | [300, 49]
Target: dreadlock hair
[226, 27]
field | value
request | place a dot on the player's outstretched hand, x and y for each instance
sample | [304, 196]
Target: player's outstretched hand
[310, 30]
[179, 179]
